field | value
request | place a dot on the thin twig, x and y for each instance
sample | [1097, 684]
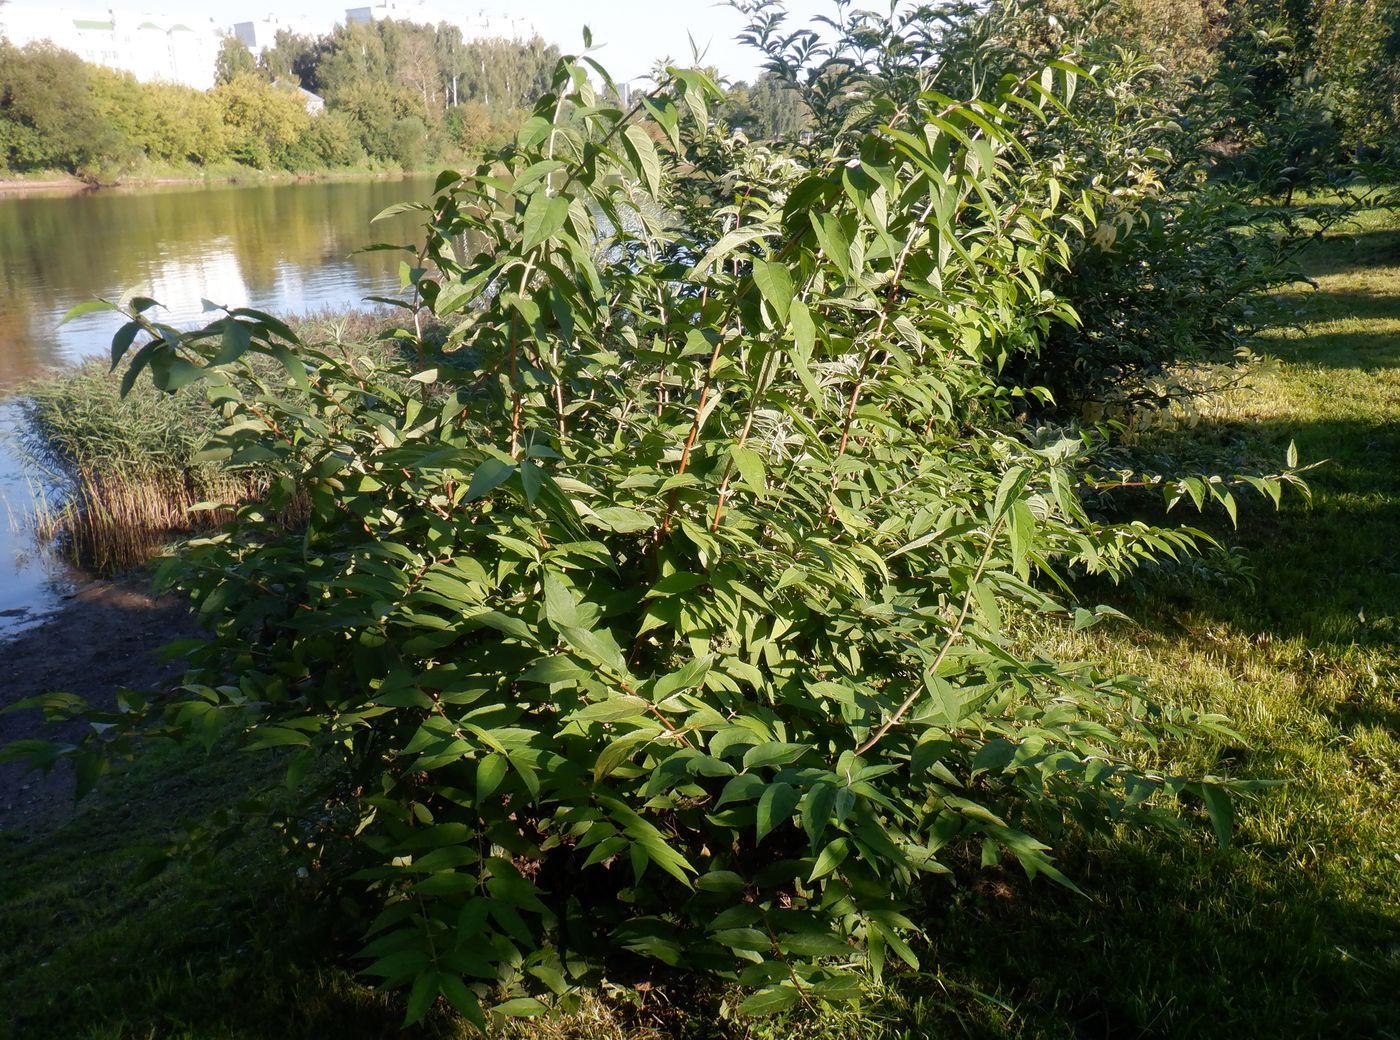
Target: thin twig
[953, 635]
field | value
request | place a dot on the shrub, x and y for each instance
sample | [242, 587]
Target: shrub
[669, 615]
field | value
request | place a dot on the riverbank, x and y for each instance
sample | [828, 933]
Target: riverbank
[58, 183]
[105, 638]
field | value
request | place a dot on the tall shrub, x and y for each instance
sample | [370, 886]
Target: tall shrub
[667, 612]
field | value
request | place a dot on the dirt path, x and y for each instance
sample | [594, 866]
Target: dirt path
[104, 639]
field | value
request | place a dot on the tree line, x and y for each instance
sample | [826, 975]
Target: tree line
[396, 94]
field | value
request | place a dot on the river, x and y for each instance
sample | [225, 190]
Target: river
[285, 248]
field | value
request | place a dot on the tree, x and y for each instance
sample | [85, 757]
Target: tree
[769, 110]
[292, 56]
[416, 67]
[264, 122]
[234, 59]
[50, 116]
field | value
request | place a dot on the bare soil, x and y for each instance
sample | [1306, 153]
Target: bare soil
[104, 639]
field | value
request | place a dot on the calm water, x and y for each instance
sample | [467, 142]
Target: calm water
[284, 248]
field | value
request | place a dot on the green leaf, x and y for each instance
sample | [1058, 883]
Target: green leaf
[840, 989]
[87, 307]
[560, 607]
[688, 676]
[804, 331]
[728, 244]
[463, 1000]
[267, 736]
[743, 939]
[947, 696]
[544, 215]
[835, 243]
[720, 881]
[400, 207]
[773, 753]
[556, 669]
[614, 709]
[489, 774]
[775, 807]
[172, 373]
[750, 466]
[643, 150]
[490, 475]
[830, 858]
[236, 341]
[775, 283]
[817, 810]
[122, 340]
[1222, 812]
[420, 999]
[598, 646]
[621, 519]
[521, 1007]
[533, 132]
[815, 944]
[770, 1000]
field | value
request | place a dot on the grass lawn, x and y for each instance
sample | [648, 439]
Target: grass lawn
[1294, 931]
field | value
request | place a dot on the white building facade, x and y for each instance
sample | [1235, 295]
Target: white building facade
[261, 33]
[151, 47]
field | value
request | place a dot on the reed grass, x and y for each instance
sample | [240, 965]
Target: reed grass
[127, 468]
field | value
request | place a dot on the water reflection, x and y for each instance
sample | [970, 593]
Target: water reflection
[282, 248]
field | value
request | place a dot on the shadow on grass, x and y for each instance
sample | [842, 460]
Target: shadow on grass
[1170, 942]
[1296, 931]
[1327, 572]
[235, 946]
[1350, 248]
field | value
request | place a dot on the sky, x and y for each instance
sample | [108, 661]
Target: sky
[630, 33]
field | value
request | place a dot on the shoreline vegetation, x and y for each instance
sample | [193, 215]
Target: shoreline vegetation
[128, 466]
[374, 97]
[58, 183]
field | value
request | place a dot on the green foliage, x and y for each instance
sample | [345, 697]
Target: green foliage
[49, 118]
[264, 121]
[1164, 267]
[398, 95]
[766, 110]
[234, 60]
[665, 610]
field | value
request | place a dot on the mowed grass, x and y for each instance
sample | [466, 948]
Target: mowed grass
[1293, 931]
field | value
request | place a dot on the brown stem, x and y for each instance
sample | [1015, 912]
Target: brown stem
[953, 635]
[763, 378]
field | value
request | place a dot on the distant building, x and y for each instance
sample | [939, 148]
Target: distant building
[148, 46]
[475, 25]
[261, 34]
